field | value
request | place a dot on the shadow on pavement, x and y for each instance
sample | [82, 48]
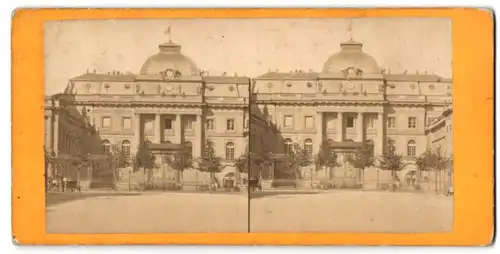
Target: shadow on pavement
[56, 198]
[274, 193]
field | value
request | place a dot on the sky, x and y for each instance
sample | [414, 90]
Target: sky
[245, 46]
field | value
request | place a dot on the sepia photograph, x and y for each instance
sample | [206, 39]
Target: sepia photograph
[248, 125]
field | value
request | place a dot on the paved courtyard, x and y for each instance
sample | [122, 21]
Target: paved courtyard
[151, 213]
[352, 211]
[337, 211]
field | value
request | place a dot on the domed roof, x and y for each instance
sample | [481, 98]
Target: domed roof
[351, 55]
[169, 57]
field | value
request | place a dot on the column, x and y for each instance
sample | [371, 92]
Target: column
[319, 132]
[178, 129]
[137, 131]
[199, 144]
[157, 128]
[379, 149]
[359, 126]
[340, 127]
[55, 145]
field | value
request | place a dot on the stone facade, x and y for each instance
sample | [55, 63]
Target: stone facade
[172, 100]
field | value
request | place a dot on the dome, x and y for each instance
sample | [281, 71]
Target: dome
[169, 57]
[351, 55]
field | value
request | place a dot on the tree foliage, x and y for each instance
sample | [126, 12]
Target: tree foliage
[361, 159]
[391, 161]
[296, 159]
[326, 156]
[144, 158]
[241, 163]
[209, 161]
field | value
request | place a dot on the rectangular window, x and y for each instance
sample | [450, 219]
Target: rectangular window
[391, 122]
[106, 122]
[210, 124]
[288, 122]
[309, 122]
[370, 122]
[412, 122]
[188, 124]
[127, 123]
[349, 122]
[168, 124]
[230, 125]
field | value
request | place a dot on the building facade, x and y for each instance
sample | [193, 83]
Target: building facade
[171, 100]
[353, 99]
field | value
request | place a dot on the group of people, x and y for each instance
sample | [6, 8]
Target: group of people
[62, 184]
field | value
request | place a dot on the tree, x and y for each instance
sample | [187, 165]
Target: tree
[241, 163]
[326, 157]
[210, 162]
[360, 160]
[438, 161]
[83, 160]
[297, 159]
[144, 158]
[423, 163]
[180, 161]
[392, 162]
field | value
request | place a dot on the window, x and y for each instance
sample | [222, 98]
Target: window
[391, 122]
[229, 151]
[126, 148]
[210, 146]
[288, 122]
[210, 124]
[106, 122]
[349, 123]
[230, 124]
[371, 147]
[370, 122]
[412, 122]
[412, 148]
[147, 143]
[288, 146]
[127, 123]
[168, 124]
[308, 146]
[105, 147]
[188, 125]
[391, 146]
[309, 122]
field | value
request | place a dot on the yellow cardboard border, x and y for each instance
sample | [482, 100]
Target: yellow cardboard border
[472, 31]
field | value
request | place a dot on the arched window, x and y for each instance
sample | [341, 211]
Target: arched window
[168, 142]
[392, 146]
[126, 148]
[288, 146]
[189, 147]
[411, 149]
[105, 147]
[371, 147]
[308, 146]
[229, 151]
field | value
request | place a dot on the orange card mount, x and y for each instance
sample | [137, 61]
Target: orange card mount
[163, 81]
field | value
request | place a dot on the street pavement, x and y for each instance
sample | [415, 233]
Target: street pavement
[333, 211]
[353, 211]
